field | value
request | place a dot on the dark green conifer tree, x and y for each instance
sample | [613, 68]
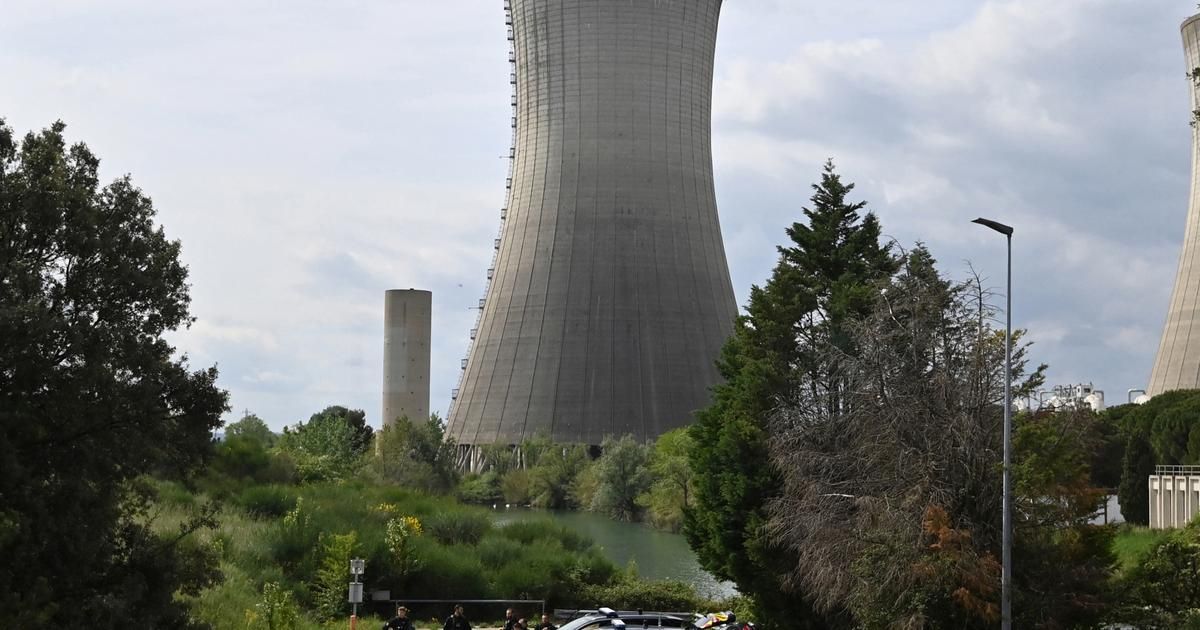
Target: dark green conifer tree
[824, 277]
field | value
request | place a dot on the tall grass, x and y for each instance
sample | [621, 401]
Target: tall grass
[1131, 544]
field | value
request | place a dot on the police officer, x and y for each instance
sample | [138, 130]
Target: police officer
[400, 621]
[546, 625]
[457, 621]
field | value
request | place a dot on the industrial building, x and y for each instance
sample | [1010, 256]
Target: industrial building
[609, 297]
[407, 327]
[1177, 365]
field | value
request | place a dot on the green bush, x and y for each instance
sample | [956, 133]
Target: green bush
[174, 494]
[664, 595]
[266, 501]
[516, 485]
[481, 489]
[527, 532]
[446, 570]
[497, 551]
[457, 527]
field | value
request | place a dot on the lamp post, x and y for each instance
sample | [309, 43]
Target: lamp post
[1006, 520]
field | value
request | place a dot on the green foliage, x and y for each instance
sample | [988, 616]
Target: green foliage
[356, 419]
[622, 477]
[666, 595]
[1136, 468]
[458, 527]
[554, 472]
[276, 611]
[530, 532]
[251, 427]
[1165, 431]
[328, 447]
[266, 501]
[515, 486]
[402, 533]
[671, 491]
[416, 455]
[1163, 588]
[482, 489]
[1131, 544]
[93, 394]
[823, 278]
[334, 573]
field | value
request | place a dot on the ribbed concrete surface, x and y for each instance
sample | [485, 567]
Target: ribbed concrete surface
[407, 326]
[1178, 363]
[611, 295]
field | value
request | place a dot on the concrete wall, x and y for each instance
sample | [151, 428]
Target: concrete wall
[407, 325]
[610, 298]
[1174, 500]
[1177, 365]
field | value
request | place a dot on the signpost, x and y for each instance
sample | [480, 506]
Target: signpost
[356, 588]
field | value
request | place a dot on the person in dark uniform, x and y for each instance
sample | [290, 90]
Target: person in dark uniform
[510, 620]
[546, 625]
[400, 621]
[457, 621]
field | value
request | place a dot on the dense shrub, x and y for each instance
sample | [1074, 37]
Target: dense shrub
[266, 501]
[527, 532]
[665, 595]
[516, 486]
[497, 551]
[481, 489]
[458, 527]
[447, 570]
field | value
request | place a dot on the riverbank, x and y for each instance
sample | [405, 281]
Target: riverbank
[284, 549]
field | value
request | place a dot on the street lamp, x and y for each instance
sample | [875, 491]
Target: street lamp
[1006, 521]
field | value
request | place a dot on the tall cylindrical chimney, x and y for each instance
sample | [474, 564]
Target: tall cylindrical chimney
[407, 324]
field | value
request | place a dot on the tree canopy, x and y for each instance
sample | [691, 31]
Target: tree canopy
[824, 276]
[91, 394]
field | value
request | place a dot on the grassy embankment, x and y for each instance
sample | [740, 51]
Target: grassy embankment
[284, 534]
[1131, 544]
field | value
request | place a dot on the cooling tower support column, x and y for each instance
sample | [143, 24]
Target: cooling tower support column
[407, 326]
[1178, 363]
[610, 296]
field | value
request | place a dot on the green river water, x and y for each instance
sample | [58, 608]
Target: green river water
[659, 555]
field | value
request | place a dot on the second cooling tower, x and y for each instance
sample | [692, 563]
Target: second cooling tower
[1177, 365]
[610, 295]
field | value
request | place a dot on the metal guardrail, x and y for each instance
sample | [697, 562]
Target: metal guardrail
[1190, 469]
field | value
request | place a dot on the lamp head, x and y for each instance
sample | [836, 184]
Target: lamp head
[999, 227]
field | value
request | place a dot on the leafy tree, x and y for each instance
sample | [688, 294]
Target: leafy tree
[1164, 587]
[251, 427]
[551, 478]
[356, 419]
[416, 454]
[1164, 431]
[91, 395]
[890, 503]
[327, 447]
[672, 489]
[623, 477]
[824, 277]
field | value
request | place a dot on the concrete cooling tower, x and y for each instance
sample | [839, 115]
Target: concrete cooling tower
[1178, 363]
[609, 298]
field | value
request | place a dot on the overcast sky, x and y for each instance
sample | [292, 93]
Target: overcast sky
[310, 155]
